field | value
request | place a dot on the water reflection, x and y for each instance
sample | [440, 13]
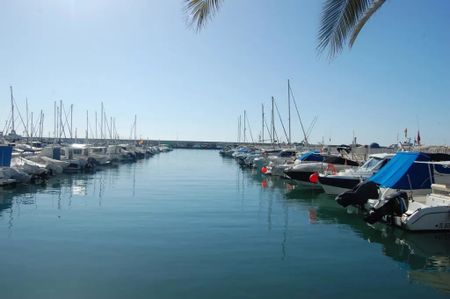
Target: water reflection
[425, 256]
[64, 188]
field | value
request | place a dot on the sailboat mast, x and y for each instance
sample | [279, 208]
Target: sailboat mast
[41, 133]
[32, 126]
[289, 111]
[110, 127]
[239, 128]
[245, 127]
[71, 121]
[12, 110]
[135, 120]
[87, 126]
[101, 123]
[96, 135]
[273, 120]
[57, 122]
[54, 119]
[262, 118]
[60, 119]
[27, 129]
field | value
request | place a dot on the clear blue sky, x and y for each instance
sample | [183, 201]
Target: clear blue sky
[138, 57]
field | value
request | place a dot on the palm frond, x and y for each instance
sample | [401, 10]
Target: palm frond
[200, 11]
[338, 20]
[372, 9]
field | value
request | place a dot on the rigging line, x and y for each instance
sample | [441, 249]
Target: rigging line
[66, 116]
[298, 114]
[7, 123]
[268, 131]
[275, 137]
[61, 126]
[90, 130]
[313, 123]
[107, 126]
[36, 127]
[18, 111]
[282, 124]
[250, 130]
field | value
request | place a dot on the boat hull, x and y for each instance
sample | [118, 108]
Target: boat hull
[335, 185]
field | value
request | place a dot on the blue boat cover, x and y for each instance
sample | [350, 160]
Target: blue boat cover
[311, 156]
[5, 156]
[402, 173]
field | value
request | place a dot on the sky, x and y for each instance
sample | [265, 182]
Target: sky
[139, 57]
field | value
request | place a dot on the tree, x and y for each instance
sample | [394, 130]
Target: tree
[342, 20]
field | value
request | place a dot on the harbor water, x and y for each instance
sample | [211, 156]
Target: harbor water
[191, 224]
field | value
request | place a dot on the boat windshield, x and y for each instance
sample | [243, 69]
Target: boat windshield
[372, 164]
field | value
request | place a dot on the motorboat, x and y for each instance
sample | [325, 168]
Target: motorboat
[315, 163]
[347, 179]
[51, 157]
[263, 159]
[417, 212]
[99, 154]
[404, 172]
[277, 163]
[77, 156]
[411, 192]
[9, 175]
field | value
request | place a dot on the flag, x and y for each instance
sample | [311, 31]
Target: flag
[418, 137]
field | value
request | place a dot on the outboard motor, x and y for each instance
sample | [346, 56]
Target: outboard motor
[396, 204]
[359, 195]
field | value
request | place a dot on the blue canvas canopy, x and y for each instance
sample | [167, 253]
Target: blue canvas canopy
[402, 173]
[311, 156]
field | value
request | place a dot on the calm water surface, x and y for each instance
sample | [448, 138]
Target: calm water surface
[190, 224]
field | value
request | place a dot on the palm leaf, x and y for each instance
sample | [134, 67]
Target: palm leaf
[339, 18]
[200, 11]
[372, 9]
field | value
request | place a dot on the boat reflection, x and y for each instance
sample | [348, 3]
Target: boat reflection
[63, 187]
[426, 256]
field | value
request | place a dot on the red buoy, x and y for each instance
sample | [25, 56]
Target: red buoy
[264, 184]
[264, 169]
[314, 178]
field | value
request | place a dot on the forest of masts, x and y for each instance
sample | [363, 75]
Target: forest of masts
[273, 137]
[101, 127]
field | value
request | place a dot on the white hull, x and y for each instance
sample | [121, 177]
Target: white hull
[427, 219]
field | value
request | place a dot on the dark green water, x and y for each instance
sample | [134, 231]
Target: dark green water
[190, 224]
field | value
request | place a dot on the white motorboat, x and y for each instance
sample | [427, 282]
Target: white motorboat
[9, 175]
[76, 155]
[279, 162]
[51, 157]
[411, 192]
[429, 212]
[30, 167]
[418, 213]
[99, 154]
